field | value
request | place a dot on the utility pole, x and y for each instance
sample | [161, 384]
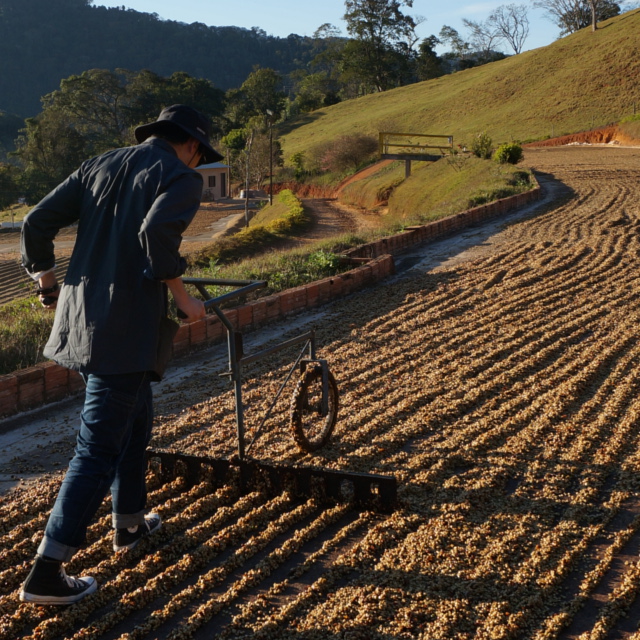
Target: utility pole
[270, 115]
[246, 181]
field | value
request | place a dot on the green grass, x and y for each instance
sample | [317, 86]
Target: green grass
[24, 330]
[584, 80]
[19, 211]
[454, 188]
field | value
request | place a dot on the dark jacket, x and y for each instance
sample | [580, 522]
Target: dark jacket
[132, 206]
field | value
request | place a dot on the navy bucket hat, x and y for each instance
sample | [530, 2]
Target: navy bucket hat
[190, 120]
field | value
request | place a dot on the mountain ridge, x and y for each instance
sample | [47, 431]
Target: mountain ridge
[72, 36]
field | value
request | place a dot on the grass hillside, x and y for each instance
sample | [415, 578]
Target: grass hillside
[584, 80]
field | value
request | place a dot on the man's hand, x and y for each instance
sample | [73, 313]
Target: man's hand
[48, 290]
[191, 307]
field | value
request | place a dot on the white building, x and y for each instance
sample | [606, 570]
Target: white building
[216, 181]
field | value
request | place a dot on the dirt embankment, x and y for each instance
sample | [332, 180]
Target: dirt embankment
[603, 135]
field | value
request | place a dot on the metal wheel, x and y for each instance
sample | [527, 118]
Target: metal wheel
[311, 429]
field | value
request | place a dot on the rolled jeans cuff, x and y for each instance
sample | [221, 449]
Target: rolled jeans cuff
[126, 520]
[56, 550]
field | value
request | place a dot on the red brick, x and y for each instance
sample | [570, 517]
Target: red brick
[286, 302]
[8, 385]
[30, 374]
[388, 265]
[313, 294]
[259, 312]
[408, 239]
[56, 381]
[30, 387]
[350, 281]
[215, 328]
[324, 290]
[273, 306]
[181, 341]
[197, 332]
[232, 317]
[336, 287]
[8, 394]
[245, 317]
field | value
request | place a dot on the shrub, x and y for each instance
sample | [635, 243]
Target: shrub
[298, 161]
[509, 152]
[482, 197]
[521, 179]
[481, 146]
[295, 270]
[348, 153]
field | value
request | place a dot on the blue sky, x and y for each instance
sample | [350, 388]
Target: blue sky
[282, 17]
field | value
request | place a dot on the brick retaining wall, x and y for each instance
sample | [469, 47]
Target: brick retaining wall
[444, 227]
[48, 382]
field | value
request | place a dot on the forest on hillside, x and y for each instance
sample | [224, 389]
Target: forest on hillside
[44, 41]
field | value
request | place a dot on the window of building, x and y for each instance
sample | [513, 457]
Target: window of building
[212, 182]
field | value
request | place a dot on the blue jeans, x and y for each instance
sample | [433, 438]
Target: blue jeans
[115, 429]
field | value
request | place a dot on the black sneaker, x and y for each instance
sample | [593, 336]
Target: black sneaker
[128, 538]
[48, 583]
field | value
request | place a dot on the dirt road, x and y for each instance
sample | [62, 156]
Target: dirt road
[497, 377]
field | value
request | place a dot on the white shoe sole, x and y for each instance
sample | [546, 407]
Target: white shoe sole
[60, 600]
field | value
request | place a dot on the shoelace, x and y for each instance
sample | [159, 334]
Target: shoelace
[72, 583]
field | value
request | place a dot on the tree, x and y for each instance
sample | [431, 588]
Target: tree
[260, 164]
[512, 24]
[262, 92]
[313, 91]
[460, 49]
[49, 151]
[362, 73]
[92, 104]
[249, 148]
[328, 61]
[572, 15]
[485, 37]
[428, 64]
[10, 126]
[97, 111]
[383, 38]
[9, 191]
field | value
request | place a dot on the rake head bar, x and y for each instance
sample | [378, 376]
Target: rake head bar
[366, 490]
